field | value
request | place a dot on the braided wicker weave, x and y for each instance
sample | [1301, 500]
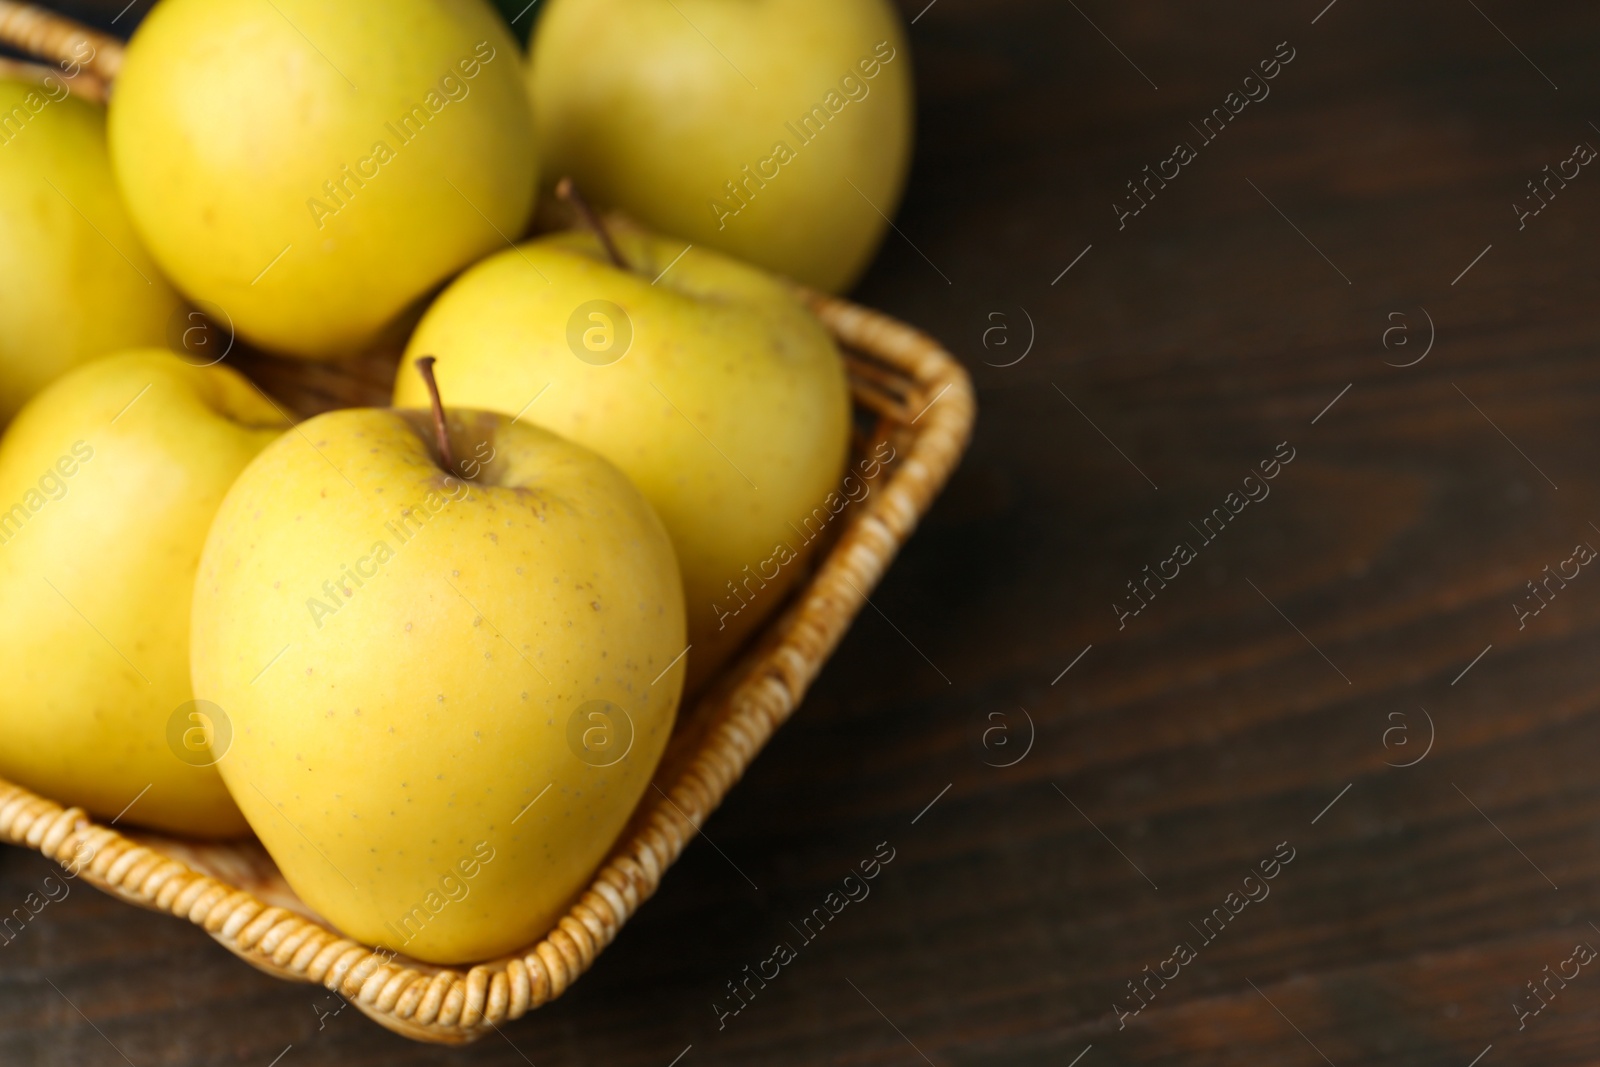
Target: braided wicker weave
[47, 35]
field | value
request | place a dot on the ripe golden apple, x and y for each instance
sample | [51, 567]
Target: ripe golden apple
[75, 281]
[447, 693]
[703, 379]
[312, 168]
[108, 483]
[777, 131]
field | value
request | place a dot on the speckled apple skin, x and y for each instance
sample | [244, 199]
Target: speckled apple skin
[408, 757]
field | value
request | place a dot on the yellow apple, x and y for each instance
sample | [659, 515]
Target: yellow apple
[448, 693]
[108, 483]
[312, 168]
[75, 281]
[703, 379]
[777, 131]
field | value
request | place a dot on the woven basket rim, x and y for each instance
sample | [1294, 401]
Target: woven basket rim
[923, 396]
[50, 36]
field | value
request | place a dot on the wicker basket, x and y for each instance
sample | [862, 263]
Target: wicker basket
[907, 390]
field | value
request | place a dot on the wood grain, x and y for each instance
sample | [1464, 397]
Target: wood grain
[1210, 728]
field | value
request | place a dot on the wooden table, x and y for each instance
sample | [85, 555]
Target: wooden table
[1339, 673]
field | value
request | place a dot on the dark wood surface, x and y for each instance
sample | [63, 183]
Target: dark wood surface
[1278, 673]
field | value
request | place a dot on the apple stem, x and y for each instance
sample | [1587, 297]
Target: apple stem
[425, 368]
[569, 192]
